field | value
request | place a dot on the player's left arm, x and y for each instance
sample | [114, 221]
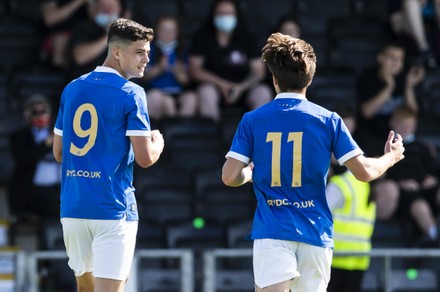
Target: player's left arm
[236, 173]
[57, 147]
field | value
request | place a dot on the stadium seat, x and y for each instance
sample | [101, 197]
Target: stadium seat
[6, 160]
[370, 282]
[185, 137]
[147, 12]
[150, 235]
[161, 174]
[314, 14]
[185, 235]
[355, 51]
[194, 14]
[234, 280]
[28, 10]
[236, 233]
[19, 44]
[159, 280]
[38, 80]
[388, 233]
[266, 13]
[344, 26]
[165, 205]
[424, 281]
[219, 203]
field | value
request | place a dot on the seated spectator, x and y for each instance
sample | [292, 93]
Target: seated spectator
[166, 74]
[88, 43]
[415, 178]
[35, 183]
[382, 89]
[60, 18]
[225, 62]
[418, 23]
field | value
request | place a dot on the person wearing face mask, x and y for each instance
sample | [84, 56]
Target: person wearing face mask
[35, 183]
[415, 179]
[225, 63]
[88, 44]
[166, 76]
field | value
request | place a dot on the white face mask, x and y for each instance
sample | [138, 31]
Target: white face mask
[167, 48]
[225, 23]
[104, 20]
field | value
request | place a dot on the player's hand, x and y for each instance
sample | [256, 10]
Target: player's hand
[157, 138]
[394, 145]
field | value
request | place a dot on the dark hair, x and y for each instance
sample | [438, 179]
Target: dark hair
[291, 61]
[129, 31]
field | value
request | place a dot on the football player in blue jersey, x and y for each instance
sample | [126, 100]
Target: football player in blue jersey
[102, 128]
[284, 148]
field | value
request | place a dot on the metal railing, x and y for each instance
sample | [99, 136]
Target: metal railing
[185, 257]
[210, 258]
[27, 272]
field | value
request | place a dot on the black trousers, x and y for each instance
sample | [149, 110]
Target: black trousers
[345, 280]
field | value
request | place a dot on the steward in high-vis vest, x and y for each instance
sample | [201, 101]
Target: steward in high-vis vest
[354, 216]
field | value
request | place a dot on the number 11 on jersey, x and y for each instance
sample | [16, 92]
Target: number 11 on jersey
[276, 139]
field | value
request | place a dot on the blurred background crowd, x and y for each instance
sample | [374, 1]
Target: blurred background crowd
[377, 63]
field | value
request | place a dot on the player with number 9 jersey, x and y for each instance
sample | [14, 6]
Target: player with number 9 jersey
[97, 156]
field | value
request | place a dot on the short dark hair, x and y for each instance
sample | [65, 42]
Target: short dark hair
[129, 31]
[291, 61]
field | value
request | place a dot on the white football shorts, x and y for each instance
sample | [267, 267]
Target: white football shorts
[277, 261]
[102, 247]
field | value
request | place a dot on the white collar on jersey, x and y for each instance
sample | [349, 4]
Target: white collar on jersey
[290, 95]
[106, 70]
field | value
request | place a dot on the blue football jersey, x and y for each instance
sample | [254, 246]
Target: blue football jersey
[98, 112]
[290, 141]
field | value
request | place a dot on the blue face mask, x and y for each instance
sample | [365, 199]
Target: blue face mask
[225, 23]
[104, 20]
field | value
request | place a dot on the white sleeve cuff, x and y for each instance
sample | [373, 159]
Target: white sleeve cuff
[138, 133]
[238, 156]
[58, 132]
[350, 155]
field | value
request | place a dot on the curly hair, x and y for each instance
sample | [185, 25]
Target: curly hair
[291, 61]
[127, 30]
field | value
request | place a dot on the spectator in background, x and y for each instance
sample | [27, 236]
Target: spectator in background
[35, 183]
[288, 25]
[166, 75]
[225, 62]
[88, 43]
[353, 218]
[60, 18]
[418, 23]
[380, 91]
[415, 178]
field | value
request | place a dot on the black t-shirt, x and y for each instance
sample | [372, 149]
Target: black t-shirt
[87, 32]
[232, 62]
[373, 132]
[417, 164]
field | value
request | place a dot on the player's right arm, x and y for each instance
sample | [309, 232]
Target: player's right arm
[368, 168]
[147, 150]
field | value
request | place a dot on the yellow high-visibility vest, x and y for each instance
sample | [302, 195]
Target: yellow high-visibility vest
[354, 223]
